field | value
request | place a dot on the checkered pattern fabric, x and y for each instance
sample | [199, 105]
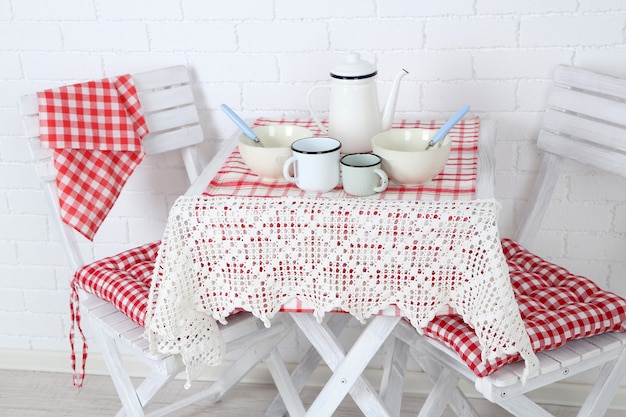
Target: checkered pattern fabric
[123, 280]
[456, 181]
[556, 307]
[95, 129]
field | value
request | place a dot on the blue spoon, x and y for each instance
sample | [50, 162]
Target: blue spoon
[441, 133]
[242, 125]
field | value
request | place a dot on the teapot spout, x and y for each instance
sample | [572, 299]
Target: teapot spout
[390, 106]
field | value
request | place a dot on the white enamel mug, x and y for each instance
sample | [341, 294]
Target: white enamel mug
[361, 174]
[315, 164]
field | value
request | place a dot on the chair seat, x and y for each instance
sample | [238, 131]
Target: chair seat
[556, 307]
[122, 280]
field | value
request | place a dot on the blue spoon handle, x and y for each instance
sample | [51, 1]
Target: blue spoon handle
[240, 123]
[441, 133]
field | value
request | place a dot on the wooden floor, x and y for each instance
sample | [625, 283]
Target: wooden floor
[37, 394]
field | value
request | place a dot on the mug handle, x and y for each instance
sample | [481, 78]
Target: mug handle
[384, 180]
[288, 163]
[313, 114]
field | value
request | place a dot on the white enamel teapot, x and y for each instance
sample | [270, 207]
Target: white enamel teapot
[354, 113]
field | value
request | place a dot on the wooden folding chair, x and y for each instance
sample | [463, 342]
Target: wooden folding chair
[586, 122]
[172, 118]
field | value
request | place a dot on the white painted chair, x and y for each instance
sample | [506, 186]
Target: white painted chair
[586, 122]
[172, 118]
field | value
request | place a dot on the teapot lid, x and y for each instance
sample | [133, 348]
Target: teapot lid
[353, 68]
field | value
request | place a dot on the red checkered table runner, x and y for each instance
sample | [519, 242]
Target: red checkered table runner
[456, 181]
[95, 129]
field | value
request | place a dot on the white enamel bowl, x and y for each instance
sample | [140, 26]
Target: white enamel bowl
[268, 162]
[405, 158]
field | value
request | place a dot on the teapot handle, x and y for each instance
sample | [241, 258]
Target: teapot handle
[313, 114]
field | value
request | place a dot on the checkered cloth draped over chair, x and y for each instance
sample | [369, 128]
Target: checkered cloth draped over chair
[95, 129]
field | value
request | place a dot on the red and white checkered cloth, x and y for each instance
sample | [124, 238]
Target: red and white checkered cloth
[556, 307]
[124, 281]
[95, 129]
[456, 181]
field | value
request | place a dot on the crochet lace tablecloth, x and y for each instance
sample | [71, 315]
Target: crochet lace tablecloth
[95, 129]
[220, 254]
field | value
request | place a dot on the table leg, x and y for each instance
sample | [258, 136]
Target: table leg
[439, 397]
[392, 383]
[336, 323]
[461, 406]
[347, 369]
[285, 387]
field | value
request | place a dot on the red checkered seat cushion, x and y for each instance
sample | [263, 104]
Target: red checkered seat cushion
[123, 280]
[556, 307]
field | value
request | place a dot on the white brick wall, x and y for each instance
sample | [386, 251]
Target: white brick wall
[261, 57]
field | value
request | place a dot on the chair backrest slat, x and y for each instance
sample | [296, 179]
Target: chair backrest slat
[28, 105]
[156, 100]
[175, 118]
[584, 151]
[585, 105]
[596, 131]
[161, 78]
[37, 152]
[169, 140]
[592, 82]
[31, 125]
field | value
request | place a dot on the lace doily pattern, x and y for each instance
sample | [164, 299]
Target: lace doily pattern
[220, 254]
